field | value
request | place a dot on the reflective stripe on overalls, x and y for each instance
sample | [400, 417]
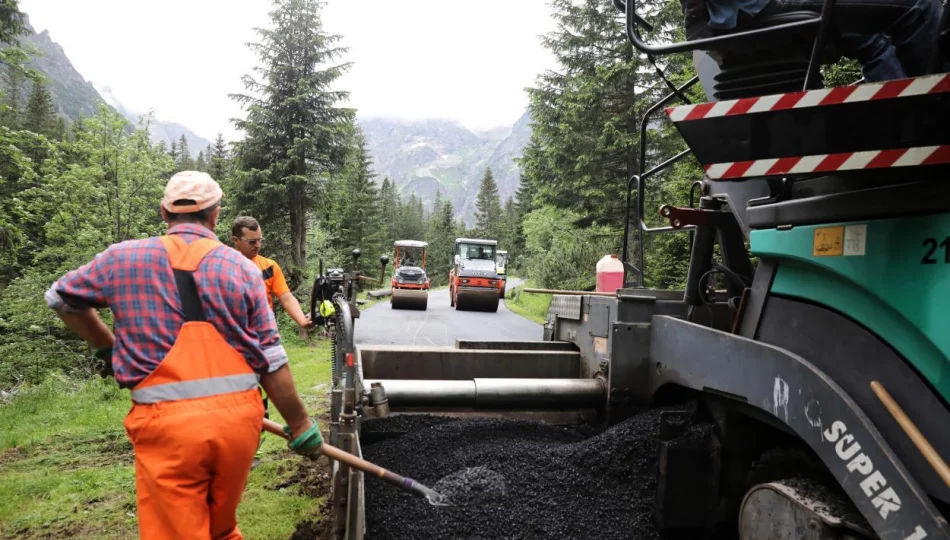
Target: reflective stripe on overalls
[195, 422]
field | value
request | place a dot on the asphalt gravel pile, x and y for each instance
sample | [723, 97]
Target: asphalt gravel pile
[475, 485]
[557, 483]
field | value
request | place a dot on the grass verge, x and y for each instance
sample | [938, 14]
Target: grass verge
[532, 306]
[66, 465]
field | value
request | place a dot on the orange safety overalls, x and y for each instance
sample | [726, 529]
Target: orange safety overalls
[195, 422]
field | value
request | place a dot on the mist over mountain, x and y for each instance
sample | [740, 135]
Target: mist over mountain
[424, 157]
[159, 130]
[76, 97]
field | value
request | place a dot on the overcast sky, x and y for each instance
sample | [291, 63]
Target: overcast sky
[467, 61]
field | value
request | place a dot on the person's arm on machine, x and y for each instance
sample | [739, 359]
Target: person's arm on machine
[290, 304]
[288, 301]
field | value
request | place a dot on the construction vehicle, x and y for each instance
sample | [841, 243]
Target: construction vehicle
[825, 359]
[410, 284]
[501, 268]
[474, 283]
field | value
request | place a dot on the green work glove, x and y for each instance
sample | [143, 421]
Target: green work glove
[105, 361]
[308, 444]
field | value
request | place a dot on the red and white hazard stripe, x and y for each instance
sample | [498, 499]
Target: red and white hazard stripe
[846, 161]
[932, 84]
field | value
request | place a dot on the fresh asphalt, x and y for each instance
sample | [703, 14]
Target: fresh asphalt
[441, 324]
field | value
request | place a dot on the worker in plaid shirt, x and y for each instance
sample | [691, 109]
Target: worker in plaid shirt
[194, 336]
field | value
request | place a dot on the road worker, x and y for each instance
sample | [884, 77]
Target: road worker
[247, 237]
[194, 336]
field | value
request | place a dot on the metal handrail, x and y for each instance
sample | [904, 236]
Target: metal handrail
[628, 7]
[633, 20]
[639, 180]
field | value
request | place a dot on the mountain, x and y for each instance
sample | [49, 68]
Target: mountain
[76, 97]
[159, 130]
[423, 157]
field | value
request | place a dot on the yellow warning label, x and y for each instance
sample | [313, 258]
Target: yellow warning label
[829, 242]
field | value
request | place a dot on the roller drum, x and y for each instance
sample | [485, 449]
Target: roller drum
[417, 299]
[477, 299]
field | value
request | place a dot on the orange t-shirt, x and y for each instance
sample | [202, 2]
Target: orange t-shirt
[273, 278]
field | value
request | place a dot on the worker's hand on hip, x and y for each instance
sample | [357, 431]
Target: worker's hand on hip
[307, 443]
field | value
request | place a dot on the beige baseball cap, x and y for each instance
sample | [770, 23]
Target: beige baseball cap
[191, 186]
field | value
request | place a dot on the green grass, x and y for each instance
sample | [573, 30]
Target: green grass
[533, 306]
[66, 466]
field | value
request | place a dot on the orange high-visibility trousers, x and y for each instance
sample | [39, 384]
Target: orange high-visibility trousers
[192, 460]
[195, 423]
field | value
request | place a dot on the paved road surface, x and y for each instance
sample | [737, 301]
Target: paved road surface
[441, 324]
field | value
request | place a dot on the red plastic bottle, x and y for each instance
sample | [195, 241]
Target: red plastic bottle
[609, 274]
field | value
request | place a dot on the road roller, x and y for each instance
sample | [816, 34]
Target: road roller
[810, 333]
[474, 283]
[410, 284]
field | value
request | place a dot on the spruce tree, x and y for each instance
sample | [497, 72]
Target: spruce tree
[11, 104]
[389, 208]
[411, 220]
[586, 113]
[441, 237]
[361, 225]
[296, 135]
[218, 160]
[173, 153]
[185, 161]
[488, 211]
[40, 114]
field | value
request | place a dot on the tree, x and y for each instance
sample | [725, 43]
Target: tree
[12, 22]
[174, 153]
[41, 114]
[200, 164]
[509, 228]
[11, 104]
[441, 236]
[360, 225]
[185, 162]
[218, 159]
[12, 27]
[410, 221]
[488, 211]
[389, 208]
[295, 134]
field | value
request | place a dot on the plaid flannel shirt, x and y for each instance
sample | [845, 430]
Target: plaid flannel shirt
[135, 280]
